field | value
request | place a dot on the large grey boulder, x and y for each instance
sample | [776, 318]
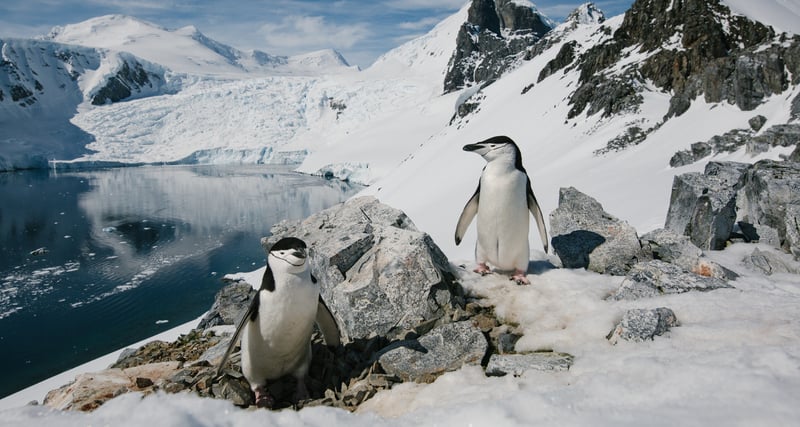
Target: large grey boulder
[678, 249]
[586, 236]
[640, 325]
[770, 196]
[445, 348]
[654, 278]
[703, 205]
[379, 275]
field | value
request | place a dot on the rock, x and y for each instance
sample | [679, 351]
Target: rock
[677, 249]
[495, 36]
[587, 236]
[517, 364]
[639, 325]
[91, 390]
[795, 155]
[770, 196]
[230, 303]
[757, 122]
[654, 278]
[379, 275]
[782, 135]
[769, 263]
[703, 206]
[444, 348]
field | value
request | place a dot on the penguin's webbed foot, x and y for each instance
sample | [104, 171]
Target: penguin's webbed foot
[482, 269]
[520, 277]
[263, 398]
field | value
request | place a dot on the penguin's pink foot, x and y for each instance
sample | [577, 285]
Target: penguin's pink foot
[482, 269]
[520, 277]
[263, 399]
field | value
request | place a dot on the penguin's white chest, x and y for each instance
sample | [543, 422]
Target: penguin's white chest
[278, 341]
[503, 218]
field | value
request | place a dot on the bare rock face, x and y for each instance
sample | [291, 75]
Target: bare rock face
[496, 34]
[378, 274]
[770, 196]
[703, 205]
[585, 236]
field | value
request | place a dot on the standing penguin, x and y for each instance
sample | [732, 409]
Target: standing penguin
[276, 329]
[502, 202]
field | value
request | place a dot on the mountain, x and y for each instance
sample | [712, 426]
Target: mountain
[45, 82]
[601, 104]
[186, 50]
[490, 41]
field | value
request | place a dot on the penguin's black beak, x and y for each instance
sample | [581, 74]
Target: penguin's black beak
[299, 254]
[472, 147]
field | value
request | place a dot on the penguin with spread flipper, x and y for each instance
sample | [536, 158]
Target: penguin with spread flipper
[502, 202]
[276, 329]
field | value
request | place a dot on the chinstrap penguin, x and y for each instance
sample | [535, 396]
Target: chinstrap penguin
[502, 203]
[276, 329]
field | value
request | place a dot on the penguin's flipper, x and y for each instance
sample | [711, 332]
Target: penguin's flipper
[252, 312]
[533, 206]
[467, 215]
[327, 325]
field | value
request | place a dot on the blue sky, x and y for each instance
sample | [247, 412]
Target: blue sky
[360, 29]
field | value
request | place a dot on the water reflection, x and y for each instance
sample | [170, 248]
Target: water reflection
[93, 260]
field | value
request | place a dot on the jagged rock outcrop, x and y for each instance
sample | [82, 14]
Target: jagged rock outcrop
[781, 135]
[378, 274]
[496, 34]
[758, 202]
[703, 205]
[691, 48]
[129, 79]
[585, 236]
[770, 196]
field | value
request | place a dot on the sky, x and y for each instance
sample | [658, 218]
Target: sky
[361, 30]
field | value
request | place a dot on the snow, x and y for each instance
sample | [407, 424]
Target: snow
[734, 359]
[782, 15]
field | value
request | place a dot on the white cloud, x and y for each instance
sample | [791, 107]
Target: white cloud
[426, 4]
[424, 23]
[304, 33]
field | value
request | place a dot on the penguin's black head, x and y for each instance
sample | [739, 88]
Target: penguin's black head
[497, 147]
[290, 250]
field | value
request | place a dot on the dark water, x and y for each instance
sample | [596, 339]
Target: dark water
[129, 253]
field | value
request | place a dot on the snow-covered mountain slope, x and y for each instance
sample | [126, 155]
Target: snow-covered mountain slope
[41, 85]
[187, 50]
[561, 150]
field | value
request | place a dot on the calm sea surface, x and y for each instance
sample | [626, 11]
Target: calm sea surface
[92, 261]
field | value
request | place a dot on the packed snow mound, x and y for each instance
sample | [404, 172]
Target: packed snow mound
[782, 15]
[187, 50]
[426, 56]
